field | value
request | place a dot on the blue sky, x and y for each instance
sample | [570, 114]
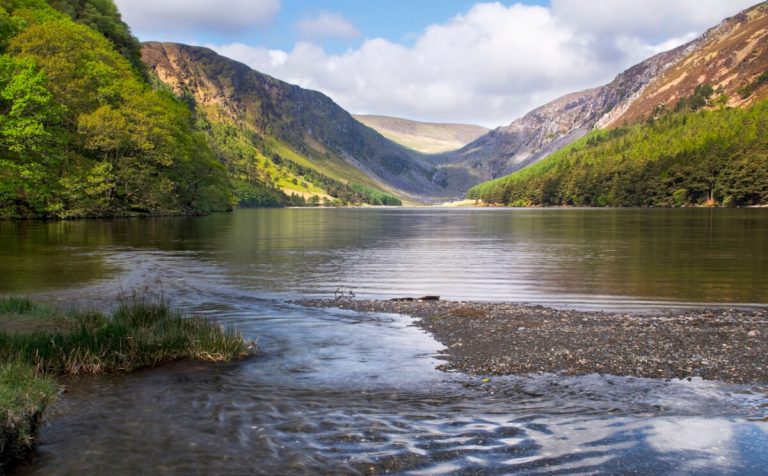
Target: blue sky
[434, 60]
[396, 20]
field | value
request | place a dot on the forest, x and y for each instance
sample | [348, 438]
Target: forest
[700, 153]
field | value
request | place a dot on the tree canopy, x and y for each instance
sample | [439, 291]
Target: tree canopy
[83, 134]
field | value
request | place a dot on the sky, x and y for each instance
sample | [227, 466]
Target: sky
[462, 61]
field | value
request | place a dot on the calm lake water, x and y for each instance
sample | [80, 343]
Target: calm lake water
[341, 392]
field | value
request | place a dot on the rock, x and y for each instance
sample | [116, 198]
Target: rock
[429, 298]
[753, 334]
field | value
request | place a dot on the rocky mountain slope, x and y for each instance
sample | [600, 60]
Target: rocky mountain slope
[731, 57]
[425, 137]
[281, 119]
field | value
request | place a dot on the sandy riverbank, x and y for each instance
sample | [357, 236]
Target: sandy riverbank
[497, 339]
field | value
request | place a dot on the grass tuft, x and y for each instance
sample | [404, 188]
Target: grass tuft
[24, 395]
[140, 333]
[16, 305]
[38, 342]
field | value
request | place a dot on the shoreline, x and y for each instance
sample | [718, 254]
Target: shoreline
[489, 339]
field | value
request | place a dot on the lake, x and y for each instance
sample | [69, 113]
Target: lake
[340, 392]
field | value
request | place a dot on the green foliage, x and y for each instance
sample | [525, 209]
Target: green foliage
[27, 112]
[22, 392]
[16, 305]
[9, 27]
[344, 193]
[689, 158]
[700, 97]
[29, 136]
[255, 180]
[81, 131]
[260, 172]
[680, 197]
[103, 16]
[698, 100]
[375, 197]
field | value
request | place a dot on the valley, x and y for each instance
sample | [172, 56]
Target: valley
[210, 265]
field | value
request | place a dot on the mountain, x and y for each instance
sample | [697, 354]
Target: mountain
[694, 134]
[425, 137]
[730, 57]
[303, 132]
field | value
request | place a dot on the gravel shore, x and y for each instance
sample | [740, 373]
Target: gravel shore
[497, 339]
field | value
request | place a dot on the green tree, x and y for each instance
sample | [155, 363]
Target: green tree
[9, 27]
[28, 135]
[104, 17]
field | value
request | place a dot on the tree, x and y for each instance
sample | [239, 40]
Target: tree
[104, 17]
[28, 135]
[9, 27]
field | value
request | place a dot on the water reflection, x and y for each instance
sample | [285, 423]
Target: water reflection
[592, 257]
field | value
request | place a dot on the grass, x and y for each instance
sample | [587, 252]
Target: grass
[20, 315]
[24, 394]
[38, 343]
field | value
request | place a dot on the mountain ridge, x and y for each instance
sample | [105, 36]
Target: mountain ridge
[711, 59]
[424, 137]
[557, 123]
[308, 121]
[321, 132]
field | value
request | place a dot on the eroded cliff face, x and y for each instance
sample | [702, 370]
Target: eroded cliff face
[310, 122]
[729, 57]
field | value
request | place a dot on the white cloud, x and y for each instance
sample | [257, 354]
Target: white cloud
[646, 18]
[170, 18]
[494, 62]
[327, 25]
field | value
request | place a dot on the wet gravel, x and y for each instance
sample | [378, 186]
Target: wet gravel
[729, 345]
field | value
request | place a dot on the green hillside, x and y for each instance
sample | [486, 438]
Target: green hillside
[694, 156]
[296, 140]
[288, 177]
